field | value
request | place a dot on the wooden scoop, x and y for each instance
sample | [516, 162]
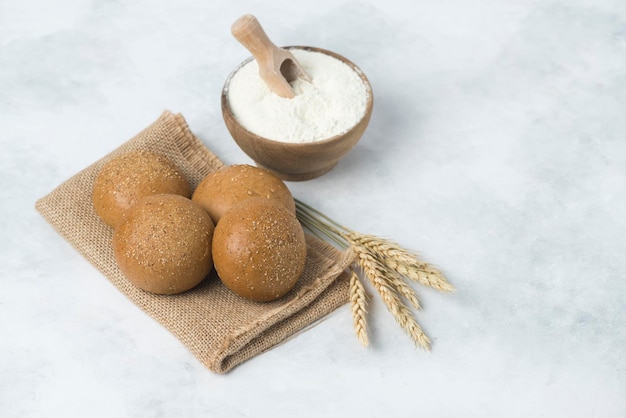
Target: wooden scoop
[277, 66]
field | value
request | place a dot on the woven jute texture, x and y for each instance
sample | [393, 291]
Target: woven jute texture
[221, 329]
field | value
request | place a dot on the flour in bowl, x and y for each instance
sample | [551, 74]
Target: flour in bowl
[332, 104]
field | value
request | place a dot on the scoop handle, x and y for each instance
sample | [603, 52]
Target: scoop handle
[250, 33]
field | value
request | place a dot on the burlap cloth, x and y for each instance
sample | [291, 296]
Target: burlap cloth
[221, 329]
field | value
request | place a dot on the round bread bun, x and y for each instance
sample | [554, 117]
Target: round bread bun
[226, 187]
[164, 244]
[259, 249]
[126, 179]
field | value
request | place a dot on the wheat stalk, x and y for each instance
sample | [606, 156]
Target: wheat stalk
[401, 261]
[358, 301]
[375, 272]
[385, 264]
[393, 279]
[428, 276]
[407, 292]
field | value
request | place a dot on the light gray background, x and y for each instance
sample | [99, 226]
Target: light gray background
[497, 149]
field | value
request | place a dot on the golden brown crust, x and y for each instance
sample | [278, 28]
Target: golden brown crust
[259, 249]
[224, 188]
[164, 244]
[126, 179]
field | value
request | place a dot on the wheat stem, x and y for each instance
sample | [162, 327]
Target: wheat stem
[304, 207]
[307, 217]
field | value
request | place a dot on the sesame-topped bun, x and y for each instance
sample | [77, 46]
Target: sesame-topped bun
[126, 179]
[223, 188]
[259, 249]
[164, 244]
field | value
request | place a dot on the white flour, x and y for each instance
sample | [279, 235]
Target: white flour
[329, 106]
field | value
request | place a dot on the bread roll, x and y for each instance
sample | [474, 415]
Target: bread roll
[126, 179]
[259, 249]
[164, 244]
[223, 188]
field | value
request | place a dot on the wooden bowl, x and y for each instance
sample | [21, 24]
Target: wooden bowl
[298, 161]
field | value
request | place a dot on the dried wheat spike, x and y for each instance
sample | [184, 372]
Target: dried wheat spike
[401, 260]
[358, 300]
[402, 314]
[381, 246]
[426, 275]
[395, 282]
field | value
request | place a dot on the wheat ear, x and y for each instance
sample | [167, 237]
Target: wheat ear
[426, 275]
[401, 261]
[401, 313]
[393, 279]
[358, 301]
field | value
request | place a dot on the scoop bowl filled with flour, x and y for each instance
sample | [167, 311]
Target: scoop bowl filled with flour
[303, 137]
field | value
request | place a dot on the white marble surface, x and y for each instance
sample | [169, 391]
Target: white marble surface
[497, 148]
